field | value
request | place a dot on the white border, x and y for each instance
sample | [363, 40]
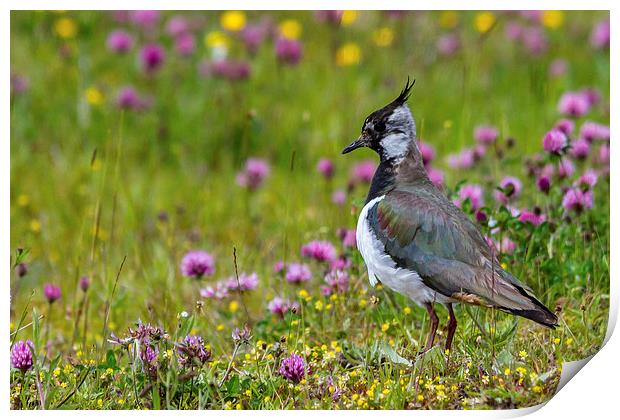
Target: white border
[592, 394]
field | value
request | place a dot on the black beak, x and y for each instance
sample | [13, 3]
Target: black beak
[360, 142]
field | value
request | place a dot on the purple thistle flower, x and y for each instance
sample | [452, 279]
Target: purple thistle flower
[573, 104]
[253, 36]
[592, 95]
[533, 217]
[254, 174]
[512, 189]
[84, 283]
[543, 183]
[332, 17]
[242, 335]
[554, 142]
[566, 168]
[599, 38]
[152, 57]
[472, 192]
[288, 51]
[293, 368]
[176, 26]
[339, 197]
[534, 40]
[197, 264]
[558, 67]
[52, 292]
[513, 31]
[602, 157]
[21, 269]
[246, 282]
[339, 264]
[363, 171]
[436, 176]
[128, 98]
[147, 19]
[590, 131]
[231, 70]
[278, 267]
[280, 307]
[325, 168]
[588, 180]
[580, 149]
[119, 41]
[507, 246]
[348, 237]
[337, 280]
[192, 351]
[577, 200]
[217, 292]
[298, 273]
[448, 44]
[148, 355]
[19, 84]
[21, 355]
[566, 126]
[427, 151]
[185, 44]
[321, 251]
[463, 160]
[486, 134]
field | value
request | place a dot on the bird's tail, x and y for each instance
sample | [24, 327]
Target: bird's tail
[528, 306]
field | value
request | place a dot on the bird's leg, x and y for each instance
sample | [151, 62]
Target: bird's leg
[434, 325]
[451, 327]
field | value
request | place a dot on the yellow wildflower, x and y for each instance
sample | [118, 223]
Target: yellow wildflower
[362, 303]
[420, 397]
[556, 341]
[233, 306]
[233, 20]
[100, 402]
[93, 96]
[215, 39]
[349, 54]
[448, 19]
[290, 28]
[507, 371]
[23, 200]
[267, 399]
[348, 17]
[537, 389]
[65, 28]
[385, 327]
[523, 354]
[407, 310]
[552, 19]
[484, 21]
[318, 305]
[220, 327]
[383, 37]
[35, 225]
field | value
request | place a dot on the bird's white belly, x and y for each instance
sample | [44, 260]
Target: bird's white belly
[382, 267]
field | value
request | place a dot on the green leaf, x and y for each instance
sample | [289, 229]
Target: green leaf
[392, 356]
[36, 329]
[156, 401]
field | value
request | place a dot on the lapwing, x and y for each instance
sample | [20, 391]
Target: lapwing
[415, 241]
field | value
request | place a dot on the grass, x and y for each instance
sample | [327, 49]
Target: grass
[120, 196]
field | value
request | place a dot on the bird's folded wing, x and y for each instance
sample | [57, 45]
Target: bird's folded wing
[426, 233]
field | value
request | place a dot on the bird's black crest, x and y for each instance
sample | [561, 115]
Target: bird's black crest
[404, 94]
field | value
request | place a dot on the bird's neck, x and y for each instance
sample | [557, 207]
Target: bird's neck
[407, 170]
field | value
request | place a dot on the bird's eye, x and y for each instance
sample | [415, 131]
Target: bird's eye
[379, 127]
